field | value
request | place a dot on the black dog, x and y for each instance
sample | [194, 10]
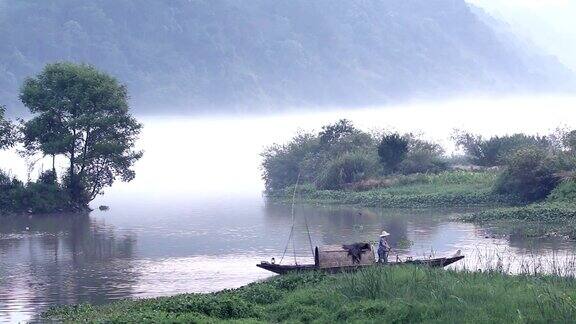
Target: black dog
[356, 250]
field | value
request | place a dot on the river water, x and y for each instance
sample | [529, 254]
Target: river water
[194, 219]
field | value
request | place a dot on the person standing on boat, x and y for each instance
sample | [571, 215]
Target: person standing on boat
[383, 248]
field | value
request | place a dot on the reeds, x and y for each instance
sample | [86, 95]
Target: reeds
[511, 262]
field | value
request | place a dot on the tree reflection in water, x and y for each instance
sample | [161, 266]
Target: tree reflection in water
[414, 232]
[62, 259]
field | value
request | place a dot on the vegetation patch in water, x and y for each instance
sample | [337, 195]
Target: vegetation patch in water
[537, 220]
[447, 189]
[378, 294]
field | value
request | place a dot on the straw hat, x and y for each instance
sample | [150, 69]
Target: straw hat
[384, 233]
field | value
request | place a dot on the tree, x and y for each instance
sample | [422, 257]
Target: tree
[392, 150]
[333, 133]
[7, 131]
[423, 157]
[45, 134]
[531, 174]
[282, 164]
[82, 114]
[569, 141]
[494, 151]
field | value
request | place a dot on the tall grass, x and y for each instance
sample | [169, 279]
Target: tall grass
[509, 261]
[396, 294]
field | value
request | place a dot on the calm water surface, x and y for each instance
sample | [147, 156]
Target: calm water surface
[194, 220]
[154, 249]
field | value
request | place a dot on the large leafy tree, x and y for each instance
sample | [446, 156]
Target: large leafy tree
[7, 131]
[392, 150]
[82, 114]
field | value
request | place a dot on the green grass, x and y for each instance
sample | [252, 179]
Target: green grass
[448, 189]
[375, 295]
[537, 220]
[460, 189]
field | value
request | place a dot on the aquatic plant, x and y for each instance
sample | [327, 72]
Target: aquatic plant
[447, 189]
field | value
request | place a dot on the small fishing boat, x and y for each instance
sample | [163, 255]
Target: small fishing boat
[335, 258]
[342, 258]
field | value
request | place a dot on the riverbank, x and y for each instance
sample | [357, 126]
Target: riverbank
[44, 196]
[445, 190]
[504, 214]
[395, 294]
[547, 219]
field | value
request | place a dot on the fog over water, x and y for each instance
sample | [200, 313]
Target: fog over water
[195, 220]
[210, 156]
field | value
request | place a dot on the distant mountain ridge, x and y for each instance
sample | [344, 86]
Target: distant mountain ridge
[191, 55]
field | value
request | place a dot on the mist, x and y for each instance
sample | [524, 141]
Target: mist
[193, 156]
[548, 24]
[219, 156]
[214, 83]
[256, 56]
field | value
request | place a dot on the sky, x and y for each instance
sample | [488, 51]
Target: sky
[550, 24]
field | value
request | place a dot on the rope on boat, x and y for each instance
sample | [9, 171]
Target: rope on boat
[293, 222]
[291, 236]
[309, 237]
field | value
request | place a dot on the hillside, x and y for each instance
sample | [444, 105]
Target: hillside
[193, 55]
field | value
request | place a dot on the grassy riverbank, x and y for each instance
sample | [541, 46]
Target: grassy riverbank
[447, 189]
[399, 294]
[504, 214]
[548, 219]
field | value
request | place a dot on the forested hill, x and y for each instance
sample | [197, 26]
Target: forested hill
[230, 54]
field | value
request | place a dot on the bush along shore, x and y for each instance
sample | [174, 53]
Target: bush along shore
[376, 294]
[525, 184]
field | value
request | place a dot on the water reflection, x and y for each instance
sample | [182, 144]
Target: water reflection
[160, 248]
[413, 231]
[61, 260]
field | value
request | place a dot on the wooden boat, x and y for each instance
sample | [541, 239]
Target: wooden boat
[341, 258]
[334, 259]
[284, 269]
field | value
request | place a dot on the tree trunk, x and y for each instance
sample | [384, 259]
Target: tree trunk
[73, 185]
[73, 188]
[54, 166]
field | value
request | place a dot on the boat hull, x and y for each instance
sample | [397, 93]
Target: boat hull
[284, 269]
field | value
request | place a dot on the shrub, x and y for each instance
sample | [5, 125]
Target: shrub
[8, 185]
[495, 150]
[48, 177]
[423, 157]
[565, 192]
[530, 174]
[282, 163]
[309, 155]
[347, 169]
[43, 196]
